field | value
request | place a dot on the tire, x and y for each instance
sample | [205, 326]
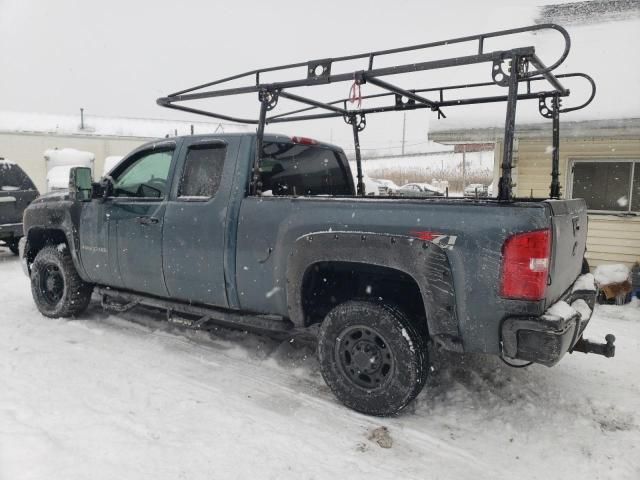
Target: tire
[13, 243]
[372, 357]
[585, 267]
[57, 289]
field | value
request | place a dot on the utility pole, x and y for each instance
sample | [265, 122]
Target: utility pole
[404, 129]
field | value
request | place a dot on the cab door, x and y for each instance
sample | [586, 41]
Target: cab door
[135, 213]
[196, 221]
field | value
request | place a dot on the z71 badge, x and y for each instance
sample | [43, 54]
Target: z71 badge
[441, 239]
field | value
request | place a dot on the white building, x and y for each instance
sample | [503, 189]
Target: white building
[24, 137]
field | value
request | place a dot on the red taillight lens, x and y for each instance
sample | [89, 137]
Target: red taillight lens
[525, 265]
[304, 141]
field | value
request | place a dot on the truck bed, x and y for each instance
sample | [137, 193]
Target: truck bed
[472, 233]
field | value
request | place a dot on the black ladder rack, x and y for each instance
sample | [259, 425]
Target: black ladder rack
[509, 68]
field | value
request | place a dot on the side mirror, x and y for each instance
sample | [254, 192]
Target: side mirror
[106, 187]
[80, 188]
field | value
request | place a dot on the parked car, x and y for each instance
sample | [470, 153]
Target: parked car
[379, 281]
[476, 189]
[372, 187]
[387, 187]
[16, 192]
[419, 190]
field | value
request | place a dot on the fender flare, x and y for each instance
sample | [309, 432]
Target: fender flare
[43, 218]
[424, 261]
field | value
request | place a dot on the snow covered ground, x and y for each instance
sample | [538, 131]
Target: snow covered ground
[107, 397]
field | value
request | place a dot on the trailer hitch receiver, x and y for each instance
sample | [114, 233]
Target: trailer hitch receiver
[606, 349]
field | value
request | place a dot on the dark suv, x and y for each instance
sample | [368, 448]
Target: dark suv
[17, 191]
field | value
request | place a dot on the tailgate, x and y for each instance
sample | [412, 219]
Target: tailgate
[569, 242]
[8, 201]
[13, 203]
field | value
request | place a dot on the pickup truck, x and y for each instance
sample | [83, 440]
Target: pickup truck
[380, 281]
[16, 192]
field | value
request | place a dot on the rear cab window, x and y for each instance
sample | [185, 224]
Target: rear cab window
[291, 169]
[202, 171]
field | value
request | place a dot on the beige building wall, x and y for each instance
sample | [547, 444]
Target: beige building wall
[612, 238]
[27, 150]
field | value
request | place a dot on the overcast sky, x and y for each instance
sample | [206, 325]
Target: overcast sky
[116, 57]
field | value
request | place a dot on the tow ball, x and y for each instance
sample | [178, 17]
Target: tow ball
[606, 349]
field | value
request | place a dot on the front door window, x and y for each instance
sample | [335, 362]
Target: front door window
[145, 177]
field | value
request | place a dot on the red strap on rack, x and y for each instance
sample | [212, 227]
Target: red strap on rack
[355, 95]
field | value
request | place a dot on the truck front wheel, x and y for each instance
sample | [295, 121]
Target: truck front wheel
[57, 289]
[372, 357]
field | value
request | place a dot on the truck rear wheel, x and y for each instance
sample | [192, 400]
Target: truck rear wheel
[57, 289]
[372, 357]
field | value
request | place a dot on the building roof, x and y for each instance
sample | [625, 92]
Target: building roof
[20, 122]
[592, 11]
[599, 48]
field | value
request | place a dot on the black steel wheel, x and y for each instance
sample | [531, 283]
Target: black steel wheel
[57, 289]
[51, 284]
[372, 357]
[364, 357]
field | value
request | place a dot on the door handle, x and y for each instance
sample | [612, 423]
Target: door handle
[147, 220]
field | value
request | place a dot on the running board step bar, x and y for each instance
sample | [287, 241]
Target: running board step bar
[121, 301]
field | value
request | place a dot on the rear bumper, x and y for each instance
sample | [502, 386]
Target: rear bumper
[10, 230]
[547, 338]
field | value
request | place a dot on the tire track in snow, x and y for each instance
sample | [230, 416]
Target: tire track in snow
[308, 394]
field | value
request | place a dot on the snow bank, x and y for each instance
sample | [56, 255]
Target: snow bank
[611, 273]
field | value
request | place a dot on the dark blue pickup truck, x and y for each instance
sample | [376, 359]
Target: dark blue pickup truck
[380, 281]
[270, 234]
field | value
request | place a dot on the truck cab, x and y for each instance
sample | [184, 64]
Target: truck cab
[164, 226]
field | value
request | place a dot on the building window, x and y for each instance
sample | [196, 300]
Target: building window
[607, 185]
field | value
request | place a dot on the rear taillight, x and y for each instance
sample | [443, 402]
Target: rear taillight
[525, 265]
